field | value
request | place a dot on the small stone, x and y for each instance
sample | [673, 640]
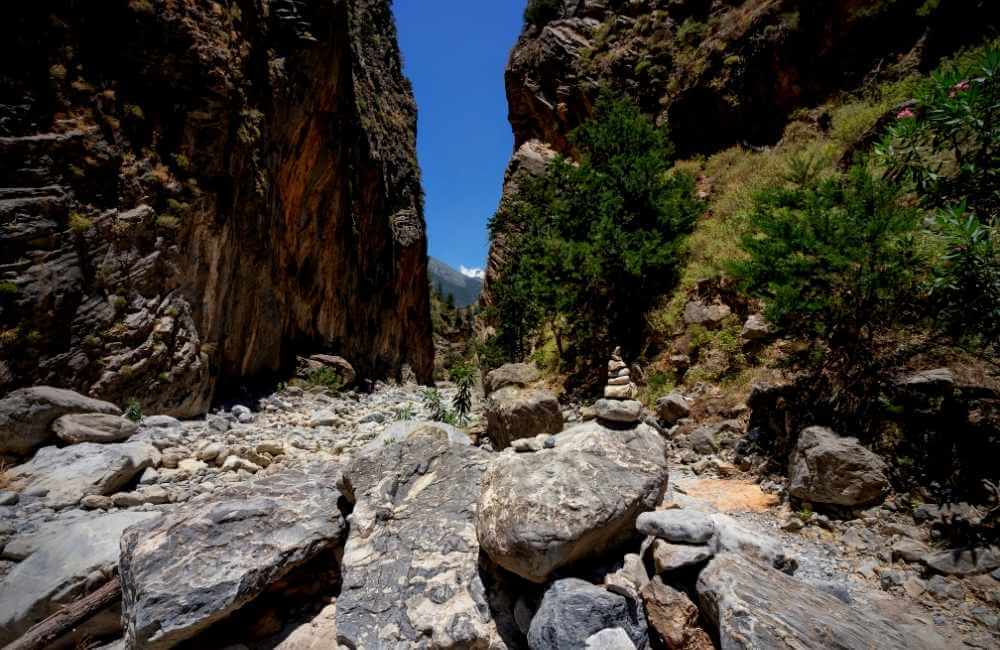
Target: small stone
[890, 579]
[272, 447]
[240, 410]
[156, 495]
[211, 452]
[323, 419]
[679, 526]
[914, 587]
[671, 557]
[95, 502]
[8, 498]
[755, 328]
[172, 456]
[38, 491]
[620, 381]
[793, 524]
[671, 408]
[149, 476]
[235, 464]
[191, 465]
[624, 412]
[908, 550]
[161, 422]
[219, 424]
[611, 639]
[127, 499]
[629, 392]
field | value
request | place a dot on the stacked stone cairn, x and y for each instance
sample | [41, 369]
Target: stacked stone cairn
[619, 406]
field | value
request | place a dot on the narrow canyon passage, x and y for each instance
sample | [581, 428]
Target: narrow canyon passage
[544, 325]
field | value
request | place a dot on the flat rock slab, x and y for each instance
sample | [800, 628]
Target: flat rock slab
[68, 474]
[678, 525]
[573, 611]
[26, 415]
[963, 561]
[210, 557]
[542, 511]
[755, 606]
[59, 560]
[411, 575]
[93, 427]
[619, 411]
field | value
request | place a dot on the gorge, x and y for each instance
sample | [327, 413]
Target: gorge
[241, 407]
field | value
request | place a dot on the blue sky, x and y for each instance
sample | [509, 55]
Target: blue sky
[454, 52]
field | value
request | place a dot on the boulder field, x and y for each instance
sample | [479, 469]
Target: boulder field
[314, 519]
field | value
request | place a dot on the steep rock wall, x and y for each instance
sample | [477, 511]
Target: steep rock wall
[715, 72]
[192, 192]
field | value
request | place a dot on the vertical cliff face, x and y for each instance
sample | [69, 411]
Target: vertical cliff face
[715, 72]
[195, 191]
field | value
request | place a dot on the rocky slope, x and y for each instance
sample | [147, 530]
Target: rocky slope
[193, 192]
[715, 72]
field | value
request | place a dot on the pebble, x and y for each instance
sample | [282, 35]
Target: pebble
[8, 498]
[95, 502]
[149, 476]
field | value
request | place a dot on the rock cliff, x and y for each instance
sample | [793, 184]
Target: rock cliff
[192, 192]
[715, 72]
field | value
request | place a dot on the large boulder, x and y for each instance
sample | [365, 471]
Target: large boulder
[671, 408]
[411, 573]
[210, 557]
[66, 475]
[26, 415]
[511, 374]
[576, 500]
[573, 610]
[60, 559]
[828, 469]
[755, 606]
[93, 427]
[513, 413]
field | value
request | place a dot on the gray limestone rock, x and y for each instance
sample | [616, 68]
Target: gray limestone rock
[754, 606]
[572, 611]
[511, 374]
[411, 567]
[826, 468]
[542, 511]
[619, 411]
[679, 526]
[93, 427]
[70, 473]
[513, 412]
[27, 414]
[208, 558]
[59, 559]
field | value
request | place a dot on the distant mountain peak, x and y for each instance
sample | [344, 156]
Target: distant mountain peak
[464, 284]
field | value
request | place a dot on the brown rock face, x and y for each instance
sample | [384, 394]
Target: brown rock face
[197, 191]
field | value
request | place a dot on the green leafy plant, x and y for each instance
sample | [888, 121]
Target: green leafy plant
[8, 289]
[79, 223]
[439, 411]
[324, 377]
[831, 258]
[946, 144]
[404, 413]
[965, 287]
[133, 410]
[463, 376]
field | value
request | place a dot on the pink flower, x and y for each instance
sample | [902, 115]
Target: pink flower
[960, 87]
[905, 114]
